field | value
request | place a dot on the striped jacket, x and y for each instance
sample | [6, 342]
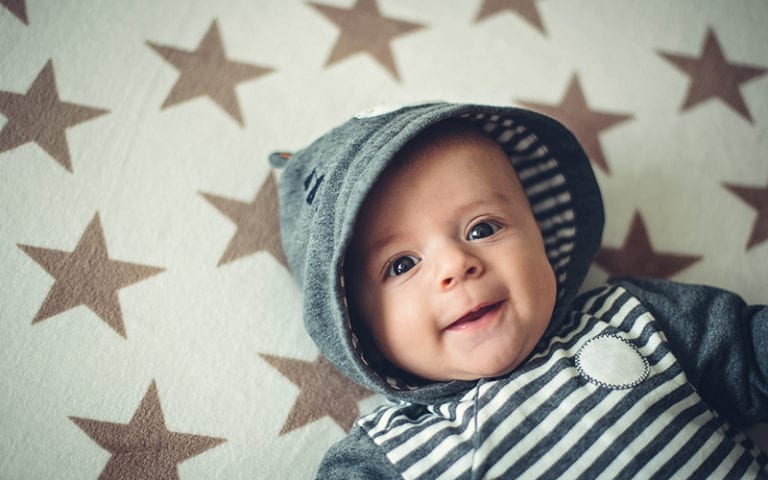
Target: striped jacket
[643, 380]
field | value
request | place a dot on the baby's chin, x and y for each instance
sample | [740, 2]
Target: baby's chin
[471, 375]
[489, 374]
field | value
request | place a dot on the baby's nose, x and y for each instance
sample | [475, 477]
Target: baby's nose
[458, 265]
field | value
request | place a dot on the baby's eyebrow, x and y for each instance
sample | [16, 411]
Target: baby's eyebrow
[502, 197]
[375, 256]
[381, 244]
[496, 198]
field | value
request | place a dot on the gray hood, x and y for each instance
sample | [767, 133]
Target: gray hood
[324, 185]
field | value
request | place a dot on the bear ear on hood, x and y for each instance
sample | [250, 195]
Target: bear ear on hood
[280, 159]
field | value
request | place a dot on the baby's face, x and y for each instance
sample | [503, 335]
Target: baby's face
[448, 268]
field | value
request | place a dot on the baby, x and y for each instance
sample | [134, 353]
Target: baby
[441, 249]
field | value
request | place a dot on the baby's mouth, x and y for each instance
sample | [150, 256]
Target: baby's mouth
[473, 316]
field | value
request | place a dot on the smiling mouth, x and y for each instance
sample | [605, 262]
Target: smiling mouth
[474, 316]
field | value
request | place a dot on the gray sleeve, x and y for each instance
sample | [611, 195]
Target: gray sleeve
[720, 341]
[356, 457]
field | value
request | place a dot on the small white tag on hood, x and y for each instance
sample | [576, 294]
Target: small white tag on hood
[378, 110]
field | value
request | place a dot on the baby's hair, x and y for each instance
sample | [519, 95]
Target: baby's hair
[446, 134]
[449, 132]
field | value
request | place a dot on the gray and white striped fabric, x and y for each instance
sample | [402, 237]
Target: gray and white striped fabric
[555, 418]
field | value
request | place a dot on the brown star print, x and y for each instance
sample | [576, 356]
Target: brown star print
[39, 116]
[323, 392]
[713, 76]
[525, 8]
[365, 29]
[258, 223]
[757, 198]
[207, 71]
[18, 8]
[637, 257]
[87, 276]
[584, 122]
[144, 448]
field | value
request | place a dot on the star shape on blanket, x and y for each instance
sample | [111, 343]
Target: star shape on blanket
[713, 76]
[637, 256]
[584, 122]
[18, 8]
[365, 29]
[40, 116]
[144, 448]
[757, 198]
[323, 391]
[258, 223]
[527, 9]
[206, 71]
[87, 276]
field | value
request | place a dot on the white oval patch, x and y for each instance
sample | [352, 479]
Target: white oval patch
[612, 362]
[377, 110]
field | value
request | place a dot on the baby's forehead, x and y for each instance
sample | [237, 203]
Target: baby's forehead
[468, 168]
[446, 134]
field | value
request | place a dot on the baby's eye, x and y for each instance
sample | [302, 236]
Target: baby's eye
[482, 230]
[401, 265]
